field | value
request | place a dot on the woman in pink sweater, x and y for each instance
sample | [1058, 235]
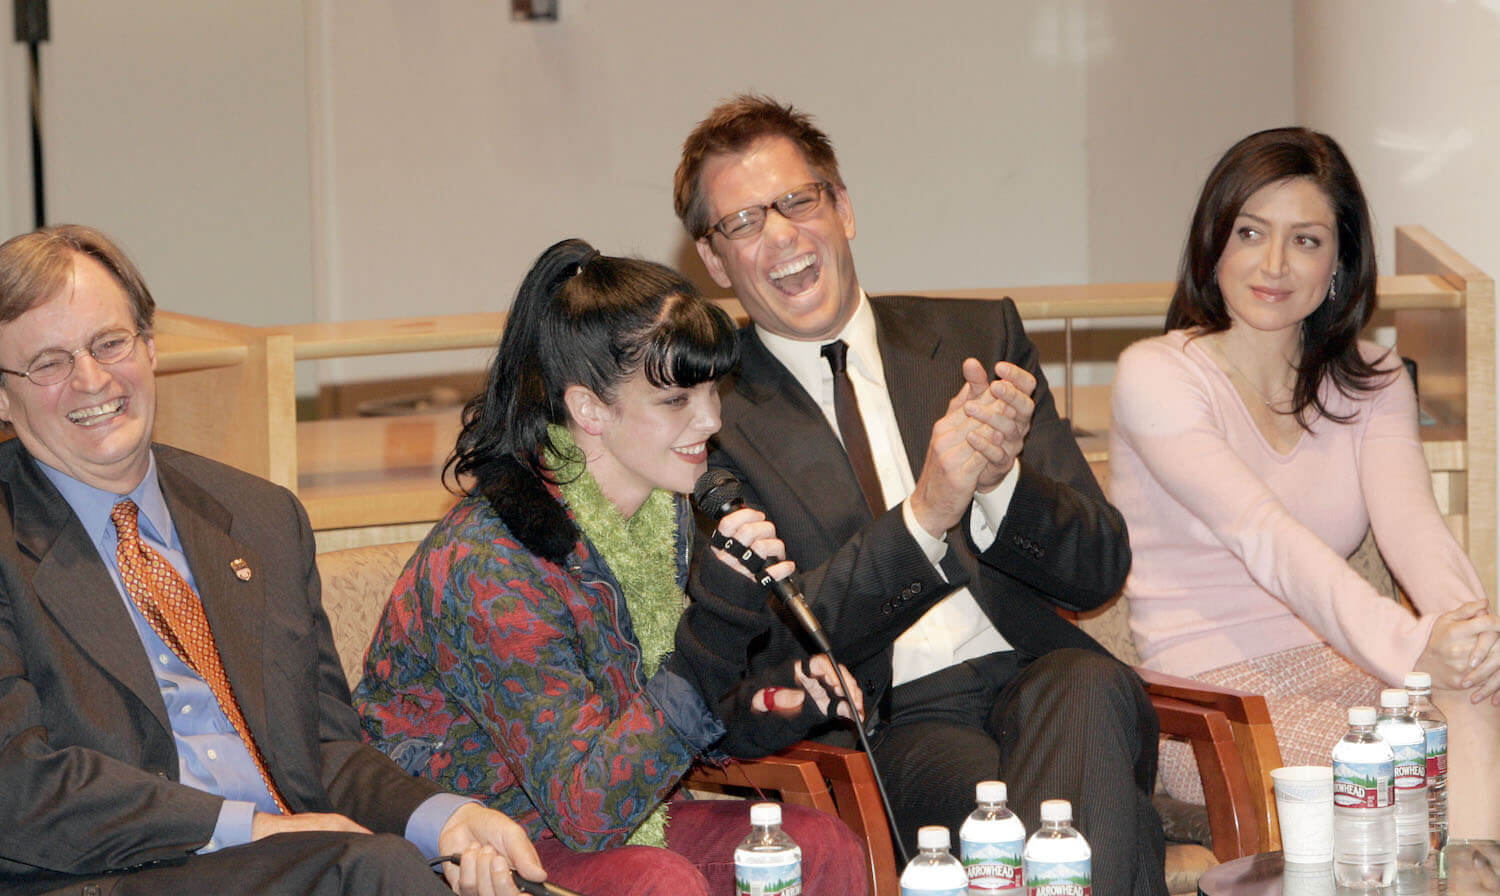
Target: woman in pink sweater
[1253, 445]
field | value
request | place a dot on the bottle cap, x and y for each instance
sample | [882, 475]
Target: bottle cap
[765, 813]
[933, 836]
[1394, 698]
[1418, 681]
[1361, 715]
[1057, 810]
[990, 791]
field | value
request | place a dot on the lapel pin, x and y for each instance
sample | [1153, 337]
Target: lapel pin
[241, 569]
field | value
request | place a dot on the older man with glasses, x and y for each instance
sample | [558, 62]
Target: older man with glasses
[941, 516]
[173, 716]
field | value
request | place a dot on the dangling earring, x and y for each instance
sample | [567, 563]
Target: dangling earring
[1333, 283]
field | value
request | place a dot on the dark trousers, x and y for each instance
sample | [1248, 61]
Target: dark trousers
[315, 864]
[1073, 725]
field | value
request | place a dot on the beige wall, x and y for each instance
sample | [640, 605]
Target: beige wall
[285, 160]
[1411, 90]
[1037, 141]
[182, 130]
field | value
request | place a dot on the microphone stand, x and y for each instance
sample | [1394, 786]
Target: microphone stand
[32, 29]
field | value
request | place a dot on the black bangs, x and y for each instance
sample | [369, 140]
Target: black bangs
[692, 342]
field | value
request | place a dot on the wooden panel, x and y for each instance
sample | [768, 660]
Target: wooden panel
[395, 335]
[1460, 353]
[375, 471]
[227, 392]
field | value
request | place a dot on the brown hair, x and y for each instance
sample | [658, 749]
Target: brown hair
[731, 128]
[35, 266]
[1330, 335]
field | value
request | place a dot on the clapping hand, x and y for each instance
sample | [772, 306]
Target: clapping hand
[1000, 413]
[974, 444]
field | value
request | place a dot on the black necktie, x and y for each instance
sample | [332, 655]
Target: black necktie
[852, 426]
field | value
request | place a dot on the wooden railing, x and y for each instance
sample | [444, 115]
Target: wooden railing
[229, 392]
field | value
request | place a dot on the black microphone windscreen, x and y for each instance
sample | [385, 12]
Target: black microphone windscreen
[717, 493]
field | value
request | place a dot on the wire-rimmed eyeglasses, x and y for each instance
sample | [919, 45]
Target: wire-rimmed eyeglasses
[55, 365]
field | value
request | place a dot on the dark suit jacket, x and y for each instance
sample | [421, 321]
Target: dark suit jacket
[1061, 543]
[87, 757]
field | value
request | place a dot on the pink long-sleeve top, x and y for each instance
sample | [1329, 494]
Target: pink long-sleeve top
[1239, 550]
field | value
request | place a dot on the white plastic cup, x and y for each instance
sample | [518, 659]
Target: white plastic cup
[1304, 806]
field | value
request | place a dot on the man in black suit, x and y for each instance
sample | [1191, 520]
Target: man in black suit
[939, 517]
[129, 764]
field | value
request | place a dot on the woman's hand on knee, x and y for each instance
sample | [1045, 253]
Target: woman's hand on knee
[1462, 653]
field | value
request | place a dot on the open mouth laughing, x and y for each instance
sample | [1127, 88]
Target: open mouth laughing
[98, 413]
[796, 276]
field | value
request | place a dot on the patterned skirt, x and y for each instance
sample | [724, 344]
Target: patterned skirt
[1308, 690]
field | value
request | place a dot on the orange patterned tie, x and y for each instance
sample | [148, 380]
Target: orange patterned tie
[176, 615]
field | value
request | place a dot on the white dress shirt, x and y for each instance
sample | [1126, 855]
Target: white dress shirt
[954, 629]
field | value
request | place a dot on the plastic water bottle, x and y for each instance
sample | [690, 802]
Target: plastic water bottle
[1058, 860]
[1364, 805]
[1435, 725]
[934, 872]
[767, 863]
[1409, 744]
[991, 841]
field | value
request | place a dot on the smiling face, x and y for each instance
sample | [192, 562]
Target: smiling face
[795, 278]
[649, 437]
[1280, 256]
[96, 425]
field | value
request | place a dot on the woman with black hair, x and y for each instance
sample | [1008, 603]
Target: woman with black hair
[1256, 442]
[527, 657]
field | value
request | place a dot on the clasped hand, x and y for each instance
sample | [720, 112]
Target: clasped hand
[974, 444]
[1462, 652]
[489, 843]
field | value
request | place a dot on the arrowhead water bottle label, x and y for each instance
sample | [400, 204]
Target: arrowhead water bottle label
[1059, 878]
[1437, 752]
[993, 867]
[1411, 765]
[1363, 785]
[781, 879]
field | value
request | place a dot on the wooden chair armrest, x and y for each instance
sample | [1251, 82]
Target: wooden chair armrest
[1233, 817]
[795, 780]
[836, 780]
[852, 780]
[1250, 720]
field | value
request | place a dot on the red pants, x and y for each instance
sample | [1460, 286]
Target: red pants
[699, 858]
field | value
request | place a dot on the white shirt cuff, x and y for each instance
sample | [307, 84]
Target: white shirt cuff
[935, 548]
[990, 508]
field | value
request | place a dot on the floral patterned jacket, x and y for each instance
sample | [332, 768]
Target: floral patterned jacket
[517, 679]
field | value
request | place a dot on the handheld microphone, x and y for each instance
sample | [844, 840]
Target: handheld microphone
[718, 494]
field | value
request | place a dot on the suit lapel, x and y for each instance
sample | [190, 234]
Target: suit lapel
[73, 583]
[235, 608]
[788, 428]
[920, 385]
[916, 389]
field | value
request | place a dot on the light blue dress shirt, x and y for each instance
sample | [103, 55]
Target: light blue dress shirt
[211, 756]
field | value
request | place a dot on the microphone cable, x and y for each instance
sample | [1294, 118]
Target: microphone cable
[717, 493]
